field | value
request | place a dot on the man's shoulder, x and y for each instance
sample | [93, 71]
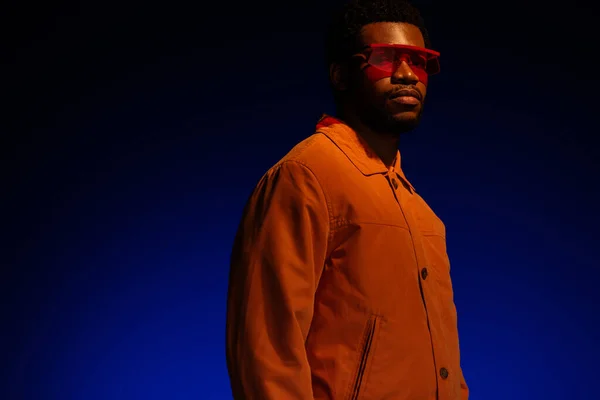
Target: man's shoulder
[316, 153]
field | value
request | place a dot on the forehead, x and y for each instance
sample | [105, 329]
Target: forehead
[392, 33]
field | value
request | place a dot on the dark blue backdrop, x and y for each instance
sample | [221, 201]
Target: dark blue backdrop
[134, 133]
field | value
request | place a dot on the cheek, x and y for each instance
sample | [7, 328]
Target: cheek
[375, 75]
[423, 89]
[382, 87]
[368, 91]
[377, 92]
[422, 75]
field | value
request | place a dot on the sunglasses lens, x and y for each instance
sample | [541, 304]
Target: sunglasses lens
[383, 58]
[389, 58]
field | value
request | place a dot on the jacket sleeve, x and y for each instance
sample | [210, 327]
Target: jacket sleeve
[277, 259]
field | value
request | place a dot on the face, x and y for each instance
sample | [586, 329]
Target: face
[377, 101]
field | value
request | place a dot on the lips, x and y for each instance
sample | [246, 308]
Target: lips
[406, 93]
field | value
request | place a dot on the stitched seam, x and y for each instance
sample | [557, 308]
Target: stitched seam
[341, 222]
[330, 225]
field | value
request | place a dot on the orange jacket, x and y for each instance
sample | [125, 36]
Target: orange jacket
[340, 282]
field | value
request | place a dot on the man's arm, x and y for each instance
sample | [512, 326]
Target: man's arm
[277, 260]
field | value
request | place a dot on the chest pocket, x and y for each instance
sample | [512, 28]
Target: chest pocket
[433, 234]
[428, 222]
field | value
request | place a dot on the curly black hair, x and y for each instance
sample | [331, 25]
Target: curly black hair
[347, 22]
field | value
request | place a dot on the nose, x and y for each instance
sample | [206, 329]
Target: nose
[403, 74]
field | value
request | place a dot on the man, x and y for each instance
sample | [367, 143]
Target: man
[340, 285]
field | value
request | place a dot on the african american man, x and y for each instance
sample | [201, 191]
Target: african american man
[340, 281]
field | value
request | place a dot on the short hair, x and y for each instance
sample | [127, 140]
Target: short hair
[347, 22]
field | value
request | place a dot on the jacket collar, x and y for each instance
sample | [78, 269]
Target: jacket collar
[356, 149]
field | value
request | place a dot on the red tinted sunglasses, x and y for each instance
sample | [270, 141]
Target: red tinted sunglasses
[384, 60]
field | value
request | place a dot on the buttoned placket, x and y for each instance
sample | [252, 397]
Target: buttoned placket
[401, 190]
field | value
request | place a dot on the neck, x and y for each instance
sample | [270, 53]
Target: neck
[384, 144]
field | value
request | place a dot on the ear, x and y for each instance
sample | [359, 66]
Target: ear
[338, 76]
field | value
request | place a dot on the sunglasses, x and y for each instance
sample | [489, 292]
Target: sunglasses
[384, 59]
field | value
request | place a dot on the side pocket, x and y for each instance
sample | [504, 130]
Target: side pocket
[367, 341]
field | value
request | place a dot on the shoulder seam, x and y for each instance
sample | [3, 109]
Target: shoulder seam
[330, 226]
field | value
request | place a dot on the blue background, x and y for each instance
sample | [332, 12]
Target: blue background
[133, 134]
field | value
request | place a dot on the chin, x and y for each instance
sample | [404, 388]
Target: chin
[388, 121]
[405, 121]
[408, 117]
[407, 114]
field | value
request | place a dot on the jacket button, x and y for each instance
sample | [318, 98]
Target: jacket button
[424, 273]
[443, 373]
[395, 183]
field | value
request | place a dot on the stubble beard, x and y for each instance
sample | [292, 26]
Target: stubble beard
[380, 120]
